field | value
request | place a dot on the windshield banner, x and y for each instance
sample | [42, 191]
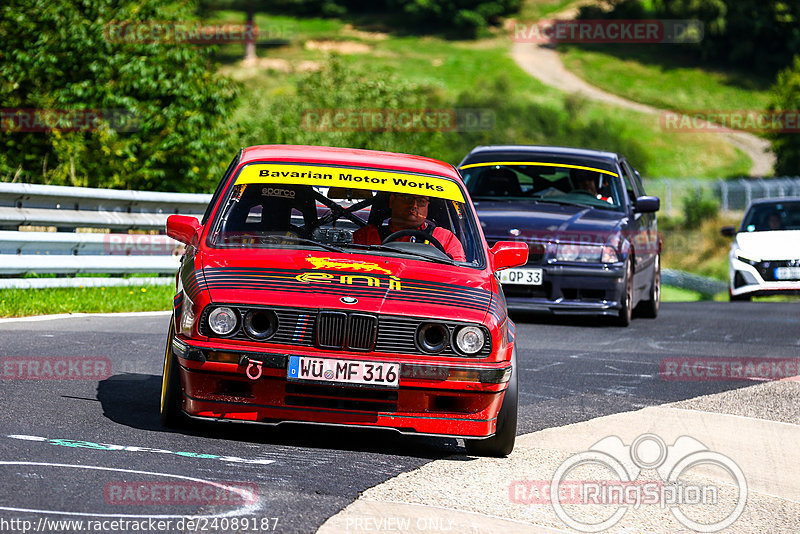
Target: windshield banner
[348, 177]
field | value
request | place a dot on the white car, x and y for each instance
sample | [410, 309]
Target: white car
[765, 256]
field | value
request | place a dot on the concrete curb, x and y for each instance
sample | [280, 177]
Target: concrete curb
[476, 495]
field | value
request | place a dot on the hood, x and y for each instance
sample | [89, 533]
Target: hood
[548, 222]
[320, 280]
[775, 245]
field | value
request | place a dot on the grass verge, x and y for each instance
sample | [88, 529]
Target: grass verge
[676, 294]
[663, 77]
[25, 302]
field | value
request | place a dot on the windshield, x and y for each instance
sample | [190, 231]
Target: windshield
[772, 216]
[582, 185]
[344, 209]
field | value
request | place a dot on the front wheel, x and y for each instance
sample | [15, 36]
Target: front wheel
[171, 415]
[650, 307]
[626, 302]
[502, 443]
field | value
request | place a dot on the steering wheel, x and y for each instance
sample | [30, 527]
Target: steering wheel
[414, 233]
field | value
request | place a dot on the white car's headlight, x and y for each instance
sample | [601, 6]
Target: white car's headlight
[470, 339]
[222, 320]
[586, 253]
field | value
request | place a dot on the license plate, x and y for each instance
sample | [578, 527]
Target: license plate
[528, 277]
[787, 273]
[343, 371]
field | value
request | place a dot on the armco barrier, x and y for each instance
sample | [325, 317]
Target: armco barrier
[67, 252]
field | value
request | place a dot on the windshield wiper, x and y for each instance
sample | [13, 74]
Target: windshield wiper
[304, 241]
[562, 202]
[387, 248]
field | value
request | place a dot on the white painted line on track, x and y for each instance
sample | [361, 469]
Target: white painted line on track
[34, 318]
[248, 509]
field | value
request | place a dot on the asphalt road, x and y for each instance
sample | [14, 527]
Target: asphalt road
[70, 446]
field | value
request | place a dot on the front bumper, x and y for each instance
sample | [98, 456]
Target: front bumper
[571, 290]
[453, 399]
[746, 279]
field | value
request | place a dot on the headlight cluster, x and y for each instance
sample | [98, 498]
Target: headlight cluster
[257, 324]
[582, 252]
[433, 337]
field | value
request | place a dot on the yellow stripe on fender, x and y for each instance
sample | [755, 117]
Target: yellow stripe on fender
[348, 177]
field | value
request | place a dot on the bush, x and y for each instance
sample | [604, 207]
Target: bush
[56, 54]
[787, 98]
[698, 208]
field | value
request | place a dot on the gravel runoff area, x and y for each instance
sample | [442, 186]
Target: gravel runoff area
[756, 426]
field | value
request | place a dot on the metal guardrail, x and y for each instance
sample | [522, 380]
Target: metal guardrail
[708, 287]
[68, 252]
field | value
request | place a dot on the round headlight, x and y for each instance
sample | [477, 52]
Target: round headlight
[222, 321]
[432, 337]
[260, 324]
[469, 339]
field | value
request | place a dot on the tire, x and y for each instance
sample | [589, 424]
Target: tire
[739, 298]
[502, 443]
[650, 307]
[626, 310]
[171, 413]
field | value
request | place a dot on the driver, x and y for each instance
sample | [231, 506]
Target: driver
[586, 182]
[409, 212]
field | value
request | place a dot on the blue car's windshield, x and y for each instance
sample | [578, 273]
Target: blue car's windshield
[581, 185]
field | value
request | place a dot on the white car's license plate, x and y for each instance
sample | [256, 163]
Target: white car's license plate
[787, 273]
[529, 277]
[343, 371]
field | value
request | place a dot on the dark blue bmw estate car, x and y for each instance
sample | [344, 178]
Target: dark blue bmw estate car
[590, 228]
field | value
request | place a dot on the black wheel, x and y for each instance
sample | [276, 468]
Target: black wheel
[649, 308]
[740, 298]
[414, 233]
[626, 308]
[171, 414]
[502, 443]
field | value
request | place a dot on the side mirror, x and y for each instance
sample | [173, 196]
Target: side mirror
[647, 204]
[728, 231]
[182, 228]
[507, 254]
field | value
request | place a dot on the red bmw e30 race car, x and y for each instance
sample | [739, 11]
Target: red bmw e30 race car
[343, 287]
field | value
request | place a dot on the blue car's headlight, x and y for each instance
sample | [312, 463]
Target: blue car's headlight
[581, 252]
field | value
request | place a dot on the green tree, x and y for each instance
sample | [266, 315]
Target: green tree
[787, 98]
[762, 34]
[66, 55]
